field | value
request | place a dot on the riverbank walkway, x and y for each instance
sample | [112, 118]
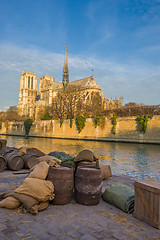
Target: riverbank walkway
[72, 221]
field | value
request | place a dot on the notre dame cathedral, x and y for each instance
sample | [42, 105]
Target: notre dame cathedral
[31, 101]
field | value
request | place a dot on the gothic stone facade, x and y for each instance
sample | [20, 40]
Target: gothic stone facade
[30, 100]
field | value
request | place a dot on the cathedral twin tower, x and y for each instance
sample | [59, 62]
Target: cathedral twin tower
[30, 98]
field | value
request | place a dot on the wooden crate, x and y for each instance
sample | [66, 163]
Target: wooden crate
[147, 202]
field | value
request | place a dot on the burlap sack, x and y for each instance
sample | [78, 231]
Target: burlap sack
[42, 190]
[85, 155]
[38, 207]
[29, 203]
[48, 157]
[40, 171]
[50, 160]
[105, 170]
[2, 196]
[10, 203]
[22, 150]
[35, 151]
[26, 200]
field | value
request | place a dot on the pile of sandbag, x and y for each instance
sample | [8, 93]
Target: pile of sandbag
[35, 192]
[51, 160]
[85, 155]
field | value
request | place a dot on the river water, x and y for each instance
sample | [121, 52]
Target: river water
[141, 161]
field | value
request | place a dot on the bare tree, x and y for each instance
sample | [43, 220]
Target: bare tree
[11, 115]
[94, 105]
[44, 113]
[66, 102]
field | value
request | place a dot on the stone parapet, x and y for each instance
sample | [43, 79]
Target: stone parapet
[127, 130]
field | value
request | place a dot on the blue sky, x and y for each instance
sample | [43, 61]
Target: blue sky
[119, 39]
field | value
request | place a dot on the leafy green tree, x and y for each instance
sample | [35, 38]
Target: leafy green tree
[46, 116]
[80, 122]
[27, 124]
[71, 123]
[143, 120]
[97, 121]
[114, 122]
[61, 122]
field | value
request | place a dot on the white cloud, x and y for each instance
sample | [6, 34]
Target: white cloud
[101, 40]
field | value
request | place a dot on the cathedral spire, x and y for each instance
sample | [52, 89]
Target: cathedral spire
[65, 63]
[65, 70]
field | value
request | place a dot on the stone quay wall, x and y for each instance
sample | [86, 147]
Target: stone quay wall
[127, 130]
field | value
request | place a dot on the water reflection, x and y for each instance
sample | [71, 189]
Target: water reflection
[137, 160]
[141, 161]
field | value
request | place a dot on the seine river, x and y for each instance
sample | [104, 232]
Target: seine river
[137, 160]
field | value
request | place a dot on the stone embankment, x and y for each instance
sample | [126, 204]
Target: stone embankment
[72, 221]
[126, 130]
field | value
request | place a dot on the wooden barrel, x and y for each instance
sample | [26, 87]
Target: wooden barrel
[8, 153]
[88, 185]
[30, 160]
[86, 164]
[5, 151]
[62, 179]
[14, 161]
[2, 163]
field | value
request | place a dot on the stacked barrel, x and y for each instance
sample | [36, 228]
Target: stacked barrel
[84, 182]
[13, 159]
[88, 181]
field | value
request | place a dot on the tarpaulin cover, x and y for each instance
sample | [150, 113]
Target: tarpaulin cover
[120, 196]
[65, 158]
